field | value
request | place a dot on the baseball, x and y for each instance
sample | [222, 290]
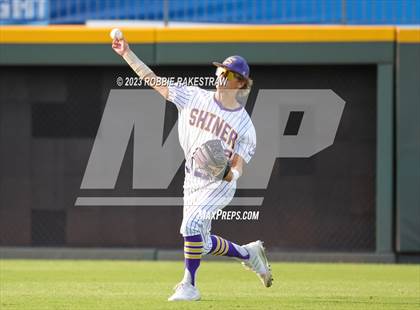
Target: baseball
[116, 34]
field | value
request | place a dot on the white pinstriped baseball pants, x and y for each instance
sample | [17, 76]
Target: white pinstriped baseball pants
[201, 199]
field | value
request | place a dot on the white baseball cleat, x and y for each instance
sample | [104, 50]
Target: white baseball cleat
[258, 262]
[185, 292]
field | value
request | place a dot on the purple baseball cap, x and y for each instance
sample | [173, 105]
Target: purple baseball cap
[235, 64]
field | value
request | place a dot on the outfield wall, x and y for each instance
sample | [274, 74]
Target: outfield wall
[55, 81]
[407, 141]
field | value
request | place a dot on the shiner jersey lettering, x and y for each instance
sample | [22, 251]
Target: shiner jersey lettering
[201, 118]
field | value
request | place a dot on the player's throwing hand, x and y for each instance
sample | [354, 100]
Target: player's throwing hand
[120, 46]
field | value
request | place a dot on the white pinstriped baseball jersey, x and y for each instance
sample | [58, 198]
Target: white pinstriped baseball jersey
[201, 118]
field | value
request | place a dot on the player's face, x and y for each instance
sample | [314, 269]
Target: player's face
[232, 79]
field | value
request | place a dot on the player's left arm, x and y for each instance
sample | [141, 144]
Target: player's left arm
[243, 151]
[237, 165]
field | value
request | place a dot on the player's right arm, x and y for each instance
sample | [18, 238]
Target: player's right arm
[142, 70]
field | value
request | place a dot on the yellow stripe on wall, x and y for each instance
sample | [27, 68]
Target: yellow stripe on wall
[408, 35]
[284, 33]
[276, 34]
[71, 34]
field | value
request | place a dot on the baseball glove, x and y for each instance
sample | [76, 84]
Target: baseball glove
[210, 159]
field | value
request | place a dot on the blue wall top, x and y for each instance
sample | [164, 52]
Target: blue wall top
[352, 12]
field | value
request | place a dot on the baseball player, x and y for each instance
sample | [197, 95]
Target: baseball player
[217, 137]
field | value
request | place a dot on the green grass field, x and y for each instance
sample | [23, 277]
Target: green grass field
[61, 284]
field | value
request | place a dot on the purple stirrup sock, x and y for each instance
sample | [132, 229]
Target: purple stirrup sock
[193, 249]
[224, 247]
